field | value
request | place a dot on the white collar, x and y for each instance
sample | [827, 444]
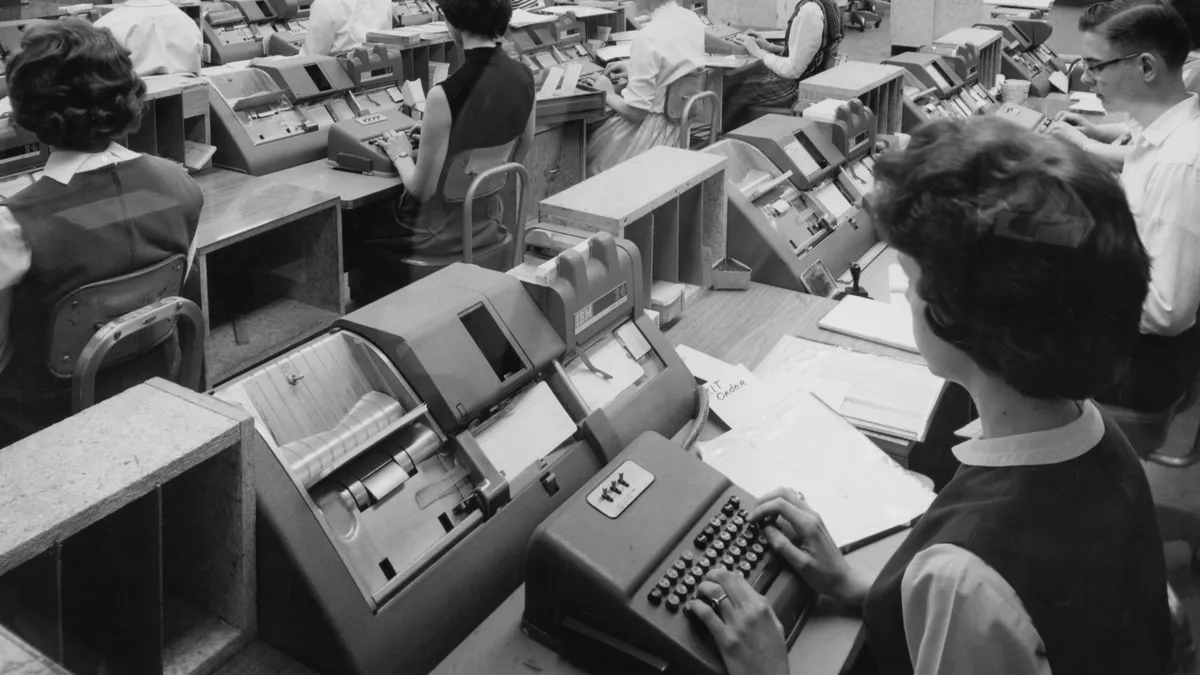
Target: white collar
[62, 165]
[1034, 449]
[1182, 113]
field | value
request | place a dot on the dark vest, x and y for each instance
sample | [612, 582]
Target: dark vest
[103, 224]
[490, 99]
[830, 40]
[1079, 543]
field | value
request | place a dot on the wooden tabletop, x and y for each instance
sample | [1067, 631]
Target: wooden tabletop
[743, 326]
[237, 207]
[355, 190]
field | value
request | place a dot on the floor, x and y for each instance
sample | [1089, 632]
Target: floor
[1178, 487]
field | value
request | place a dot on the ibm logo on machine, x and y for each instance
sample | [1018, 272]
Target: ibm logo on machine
[602, 307]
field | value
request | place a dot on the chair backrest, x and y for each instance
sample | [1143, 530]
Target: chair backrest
[467, 165]
[80, 314]
[683, 89]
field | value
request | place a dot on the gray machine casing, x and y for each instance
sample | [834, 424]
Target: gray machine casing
[305, 81]
[570, 301]
[770, 252]
[310, 606]
[1022, 59]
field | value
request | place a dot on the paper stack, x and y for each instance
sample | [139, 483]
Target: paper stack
[403, 37]
[795, 441]
[881, 394]
[865, 319]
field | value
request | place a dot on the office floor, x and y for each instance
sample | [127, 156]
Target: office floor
[1179, 487]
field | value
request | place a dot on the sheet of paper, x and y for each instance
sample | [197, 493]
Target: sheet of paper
[532, 428]
[617, 52]
[885, 395]
[631, 336]
[724, 61]
[521, 18]
[739, 398]
[570, 78]
[580, 11]
[549, 88]
[872, 320]
[830, 392]
[801, 444]
[1060, 81]
[614, 360]
[702, 366]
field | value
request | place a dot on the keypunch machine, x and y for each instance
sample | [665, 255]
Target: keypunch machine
[610, 571]
[794, 211]
[395, 498]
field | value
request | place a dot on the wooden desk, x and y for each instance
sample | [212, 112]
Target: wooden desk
[355, 190]
[1056, 103]
[275, 285]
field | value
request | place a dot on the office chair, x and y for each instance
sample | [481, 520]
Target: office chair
[105, 328]
[689, 103]
[859, 12]
[1147, 433]
[472, 175]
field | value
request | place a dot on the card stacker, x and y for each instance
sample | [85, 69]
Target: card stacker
[611, 570]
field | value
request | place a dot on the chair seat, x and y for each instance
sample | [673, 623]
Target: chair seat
[1146, 431]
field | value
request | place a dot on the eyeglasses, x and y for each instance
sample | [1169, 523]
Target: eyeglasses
[1097, 66]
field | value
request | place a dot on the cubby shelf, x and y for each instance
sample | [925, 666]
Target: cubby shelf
[127, 536]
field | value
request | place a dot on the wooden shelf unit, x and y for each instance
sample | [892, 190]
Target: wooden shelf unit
[670, 202]
[880, 87]
[128, 541]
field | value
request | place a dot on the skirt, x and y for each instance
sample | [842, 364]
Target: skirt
[761, 88]
[620, 139]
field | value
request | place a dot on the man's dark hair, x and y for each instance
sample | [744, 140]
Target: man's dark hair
[73, 85]
[1030, 260]
[1134, 26]
[488, 18]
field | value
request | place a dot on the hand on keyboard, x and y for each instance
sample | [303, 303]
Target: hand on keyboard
[746, 631]
[799, 536]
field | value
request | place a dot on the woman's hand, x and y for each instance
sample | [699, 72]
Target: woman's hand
[743, 625]
[394, 144]
[800, 537]
[750, 44]
[618, 70]
[605, 85]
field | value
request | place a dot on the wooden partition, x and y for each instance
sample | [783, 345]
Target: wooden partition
[127, 542]
[670, 202]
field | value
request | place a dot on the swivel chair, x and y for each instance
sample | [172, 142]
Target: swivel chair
[106, 329]
[472, 175]
[860, 12]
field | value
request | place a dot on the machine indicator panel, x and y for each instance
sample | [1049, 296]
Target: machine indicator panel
[620, 489]
[602, 307]
[367, 120]
[802, 157]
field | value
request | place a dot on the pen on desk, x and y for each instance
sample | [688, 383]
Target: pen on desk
[867, 541]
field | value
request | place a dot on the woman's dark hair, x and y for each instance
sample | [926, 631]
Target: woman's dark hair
[1140, 26]
[1030, 260]
[74, 86]
[488, 18]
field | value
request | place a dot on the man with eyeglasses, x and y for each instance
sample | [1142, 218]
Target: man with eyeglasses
[1133, 53]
